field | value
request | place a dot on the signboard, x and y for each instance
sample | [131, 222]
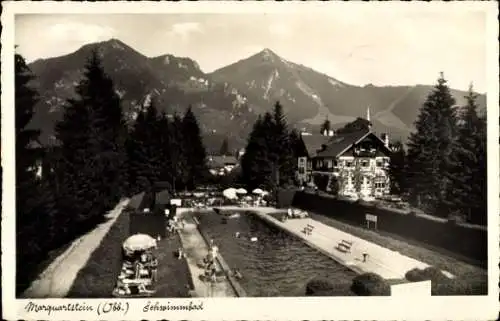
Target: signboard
[371, 219]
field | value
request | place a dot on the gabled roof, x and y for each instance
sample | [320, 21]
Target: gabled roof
[340, 143]
[314, 143]
[221, 161]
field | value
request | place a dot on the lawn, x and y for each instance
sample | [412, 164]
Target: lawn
[475, 277]
[97, 278]
[174, 277]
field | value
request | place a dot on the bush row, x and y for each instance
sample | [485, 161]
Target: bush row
[368, 284]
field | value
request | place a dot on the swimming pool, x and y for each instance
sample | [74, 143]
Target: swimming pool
[277, 264]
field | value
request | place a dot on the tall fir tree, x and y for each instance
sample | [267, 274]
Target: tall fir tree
[144, 156]
[467, 174]
[280, 148]
[178, 154]
[194, 149]
[429, 149]
[397, 168]
[163, 142]
[224, 148]
[269, 160]
[92, 133]
[256, 167]
[34, 214]
[110, 132]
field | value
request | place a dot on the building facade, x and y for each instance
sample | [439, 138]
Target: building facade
[358, 162]
[221, 165]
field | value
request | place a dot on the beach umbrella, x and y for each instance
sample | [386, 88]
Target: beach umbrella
[257, 191]
[138, 242]
[264, 193]
[241, 191]
[230, 193]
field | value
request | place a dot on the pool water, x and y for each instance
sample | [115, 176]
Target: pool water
[277, 264]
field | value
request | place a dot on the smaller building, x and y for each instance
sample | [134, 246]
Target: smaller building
[46, 151]
[221, 165]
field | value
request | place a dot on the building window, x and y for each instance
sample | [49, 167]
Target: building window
[348, 163]
[301, 171]
[365, 163]
[379, 185]
[380, 163]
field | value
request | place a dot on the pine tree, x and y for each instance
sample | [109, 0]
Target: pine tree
[109, 130]
[194, 149]
[144, 156]
[163, 140]
[34, 217]
[224, 148]
[281, 148]
[430, 148]
[270, 160]
[397, 168]
[178, 154]
[467, 174]
[255, 163]
[92, 134]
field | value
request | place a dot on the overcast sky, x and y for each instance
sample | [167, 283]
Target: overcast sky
[377, 47]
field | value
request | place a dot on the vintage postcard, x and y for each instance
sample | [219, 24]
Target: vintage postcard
[250, 160]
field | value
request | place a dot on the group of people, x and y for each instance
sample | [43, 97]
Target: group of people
[209, 261]
[138, 272]
[174, 223]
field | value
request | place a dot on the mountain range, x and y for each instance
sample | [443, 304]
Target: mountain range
[228, 100]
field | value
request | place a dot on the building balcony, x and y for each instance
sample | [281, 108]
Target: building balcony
[325, 169]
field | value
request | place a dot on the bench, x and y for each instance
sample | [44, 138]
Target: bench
[308, 229]
[344, 246]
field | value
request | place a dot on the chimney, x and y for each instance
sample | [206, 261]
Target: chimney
[330, 133]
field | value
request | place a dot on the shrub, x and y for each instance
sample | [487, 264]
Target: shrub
[430, 273]
[370, 284]
[442, 285]
[322, 287]
[318, 287]
[321, 181]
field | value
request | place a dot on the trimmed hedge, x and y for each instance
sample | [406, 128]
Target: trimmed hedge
[285, 197]
[442, 285]
[322, 287]
[370, 284]
[468, 242]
